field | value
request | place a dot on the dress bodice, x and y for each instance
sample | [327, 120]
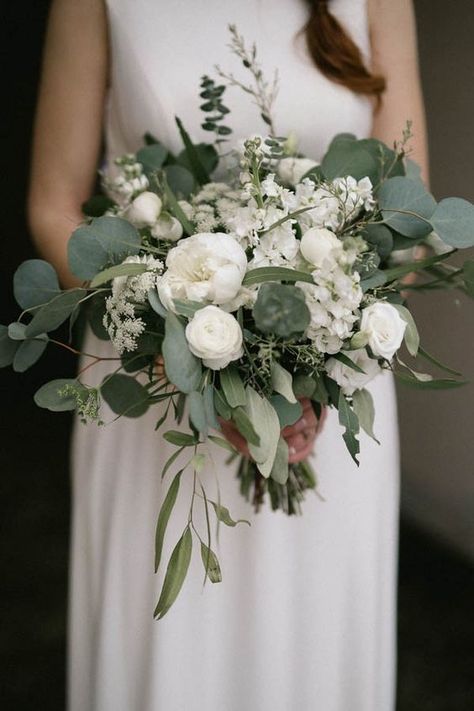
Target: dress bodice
[160, 50]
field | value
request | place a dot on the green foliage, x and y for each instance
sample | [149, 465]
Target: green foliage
[197, 168]
[164, 516]
[211, 564]
[180, 439]
[388, 162]
[35, 282]
[107, 240]
[175, 573]
[118, 270]
[363, 405]
[152, 157]
[215, 109]
[233, 387]
[349, 420]
[174, 207]
[264, 274]
[303, 385]
[180, 180]
[8, 347]
[209, 409]
[346, 156]
[54, 313]
[279, 472]
[223, 515]
[267, 426]
[155, 303]
[52, 396]
[407, 206]
[183, 369]
[197, 412]
[379, 237]
[245, 426]
[288, 413]
[29, 352]
[468, 275]
[281, 309]
[207, 155]
[412, 337]
[97, 205]
[453, 221]
[432, 384]
[125, 395]
[282, 382]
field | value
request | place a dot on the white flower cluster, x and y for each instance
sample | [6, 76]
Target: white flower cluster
[129, 180]
[334, 298]
[120, 320]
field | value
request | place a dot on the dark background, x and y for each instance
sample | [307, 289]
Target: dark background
[436, 631]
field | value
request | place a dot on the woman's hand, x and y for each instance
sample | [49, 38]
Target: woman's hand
[299, 437]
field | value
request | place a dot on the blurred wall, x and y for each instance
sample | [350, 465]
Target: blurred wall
[437, 428]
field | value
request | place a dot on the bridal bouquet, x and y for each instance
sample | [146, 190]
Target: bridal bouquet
[258, 276]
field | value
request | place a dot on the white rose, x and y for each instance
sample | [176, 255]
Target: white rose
[384, 328]
[350, 379]
[144, 210]
[215, 336]
[206, 267]
[320, 246]
[292, 170]
[167, 227]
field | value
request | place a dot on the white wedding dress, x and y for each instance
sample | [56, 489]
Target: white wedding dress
[305, 616]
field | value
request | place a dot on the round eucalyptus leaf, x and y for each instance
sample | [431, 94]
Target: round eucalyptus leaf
[453, 221]
[388, 164]
[407, 206]
[28, 353]
[16, 331]
[281, 309]
[125, 395]
[49, 395]
[51, 316]
[35, 282]
[107, 240]
[380, 237]
[8, 347]
[152, 157]
[348, 157]
[180, 180]
[182, 368]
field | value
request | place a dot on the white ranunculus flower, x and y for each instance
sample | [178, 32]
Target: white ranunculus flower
[167, 227]
[206, 267]
[144, 210]
[291, 170]
[215, 336]
[384, 328]
[320, 246]
[349, 379]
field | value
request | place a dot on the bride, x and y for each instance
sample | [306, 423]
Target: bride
[305, 617]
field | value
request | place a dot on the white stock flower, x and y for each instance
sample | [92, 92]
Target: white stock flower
[144, 209]
[348, 378]
[384, 329]
[215, 336]
[320, 247]
[291, 170]
[206, 267]
[167, 227]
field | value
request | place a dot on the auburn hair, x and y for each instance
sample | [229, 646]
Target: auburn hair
[336, 54]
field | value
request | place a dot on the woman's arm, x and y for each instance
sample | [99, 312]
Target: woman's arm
[395, 56]
[68, 126]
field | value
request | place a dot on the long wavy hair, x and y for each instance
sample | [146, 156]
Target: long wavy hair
[336, 54]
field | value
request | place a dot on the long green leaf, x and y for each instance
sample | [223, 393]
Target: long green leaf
[53, 314]
[263, 274]
[195, 163]
[431, 359]
[211, 564]
[363, 405]
[349, 420]
[224, 516]
[175, 208]
[164, 516]
[441, 384]
[175, 573]
[233, 387]
[412, 337]
[106, 275]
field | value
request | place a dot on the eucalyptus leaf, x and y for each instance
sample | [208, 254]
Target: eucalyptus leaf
[125, 395]
[35, 282]
[282, 381]
[221, 405]
[223, 443]
[49, 395]
[442, 384]
[175, 573]
[29, 352]
[182, 368]
[379, 237]
[281, 309]
[412, 337]
[53, 314]
[267, 426]
[279, 470]
[211, 564]
[163, 518]
[224, 516]
[264, 274]
[233, 387]
[107, 240]
[194, 156]
[349, 157]
[197, 411]
[245, 426]
[303, 385]
[209, 409]
[407, 206]
[363, 405]
[431, 359]
[207, 154]
[288, 413]
[187, 308]
[8, 347]
[175, 208]
[453, 221]
[118, 270]
[180, 439]
[377, 278]
[17, 331]
[180, 180]
[349, 420]
[152, 157]
[155, 303]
